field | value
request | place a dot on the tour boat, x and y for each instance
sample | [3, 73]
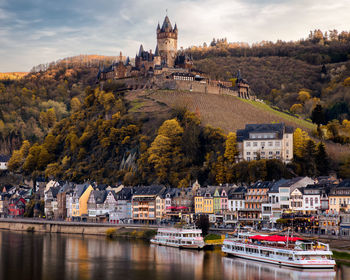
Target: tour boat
[188, 238]
[280, 250]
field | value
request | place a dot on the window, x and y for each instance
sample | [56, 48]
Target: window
[263, 153]
[287, 144]
[248, 153]
[277, 143]
[270, 153]
[247, 144]
[277, 152]
[262, 144]
[316, 200]
[311, 201]
[254, 153]
[248, 158]
[287, 152]
[270, 144]
[255, 144]
[306, 200]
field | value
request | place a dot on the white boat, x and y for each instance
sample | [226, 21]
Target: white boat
[280, 250]
[179, 237]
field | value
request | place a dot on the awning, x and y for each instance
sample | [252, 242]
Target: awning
[275, 238]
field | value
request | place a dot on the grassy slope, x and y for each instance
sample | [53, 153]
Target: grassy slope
[228, 112]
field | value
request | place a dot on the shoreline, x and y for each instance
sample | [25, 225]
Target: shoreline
[101, 229]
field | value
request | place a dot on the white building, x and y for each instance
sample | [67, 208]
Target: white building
[265, 141]
[311, 199]
[4, 161]
[235, 202]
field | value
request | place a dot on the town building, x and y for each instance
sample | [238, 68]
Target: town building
[235, 202]
[50, 202]
[255, 197]
[4, 159]
[144, 203]
[265, 141]
[339, 197]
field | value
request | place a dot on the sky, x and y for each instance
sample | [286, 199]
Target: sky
[40, 31]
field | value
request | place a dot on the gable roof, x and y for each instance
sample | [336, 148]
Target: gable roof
[4, 158]
[148, 190]
[279, 128]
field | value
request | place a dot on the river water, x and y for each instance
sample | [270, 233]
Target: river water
[57, 256]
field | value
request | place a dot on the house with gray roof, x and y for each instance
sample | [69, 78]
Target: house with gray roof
[265, 141]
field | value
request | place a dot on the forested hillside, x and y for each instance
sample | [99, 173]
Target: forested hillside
[30, 106]
[277, 72]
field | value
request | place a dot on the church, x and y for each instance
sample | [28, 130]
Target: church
[165, 60]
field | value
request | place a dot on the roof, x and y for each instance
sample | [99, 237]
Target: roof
[4, 158]
[239, 190]
[259, 185]
[54, 191]
[80, 189]
[100, 196]
[166, 25]
[148, 190]
[124, 194]
[279, 128]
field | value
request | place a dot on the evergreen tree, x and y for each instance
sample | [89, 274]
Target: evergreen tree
[308, 158]
[322, 160]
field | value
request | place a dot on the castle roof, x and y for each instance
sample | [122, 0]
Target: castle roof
[166, 27]
[156, 53]
[141, 50]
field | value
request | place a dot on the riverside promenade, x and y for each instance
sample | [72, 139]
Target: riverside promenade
[39, 225]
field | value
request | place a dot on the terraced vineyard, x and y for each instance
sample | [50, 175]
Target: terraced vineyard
[228, 112]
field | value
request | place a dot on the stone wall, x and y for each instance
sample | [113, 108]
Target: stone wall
[64, 227]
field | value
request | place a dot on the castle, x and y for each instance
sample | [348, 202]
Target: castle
[165, 58]
[168, 68]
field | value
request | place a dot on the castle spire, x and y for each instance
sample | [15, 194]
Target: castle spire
[156, 52]
[175, 28]
[141, 50]
[158, 27]
[166, 27]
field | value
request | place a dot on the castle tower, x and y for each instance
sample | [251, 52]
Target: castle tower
[167, 42]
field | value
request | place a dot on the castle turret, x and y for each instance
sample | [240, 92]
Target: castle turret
[157, 58]
[167, 42]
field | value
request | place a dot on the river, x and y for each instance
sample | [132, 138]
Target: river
[57, 256]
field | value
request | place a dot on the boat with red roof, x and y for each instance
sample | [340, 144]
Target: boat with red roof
[280, 250]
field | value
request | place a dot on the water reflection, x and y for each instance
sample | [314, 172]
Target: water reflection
[236, 268]
[45, 256]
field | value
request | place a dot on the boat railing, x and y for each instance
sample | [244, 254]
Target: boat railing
[318, 247]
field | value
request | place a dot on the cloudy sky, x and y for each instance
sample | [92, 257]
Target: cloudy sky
[40, 31]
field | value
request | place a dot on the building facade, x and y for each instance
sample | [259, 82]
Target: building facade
[265, 141]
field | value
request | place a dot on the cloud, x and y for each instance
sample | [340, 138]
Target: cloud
[40, 31]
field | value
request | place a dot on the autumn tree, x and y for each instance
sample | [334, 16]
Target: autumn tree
[165, 153]
[303, 96]
[18, 156]
[300, 138]
[231, 150]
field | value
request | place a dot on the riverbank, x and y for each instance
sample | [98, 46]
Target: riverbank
[43, 226]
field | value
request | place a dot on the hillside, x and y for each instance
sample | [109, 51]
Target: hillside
[12, 75]
[223, 111]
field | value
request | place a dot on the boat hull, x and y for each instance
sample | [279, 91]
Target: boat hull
[307, 264]
[182, 246]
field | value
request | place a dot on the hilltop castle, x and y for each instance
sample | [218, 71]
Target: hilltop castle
[164, 59]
